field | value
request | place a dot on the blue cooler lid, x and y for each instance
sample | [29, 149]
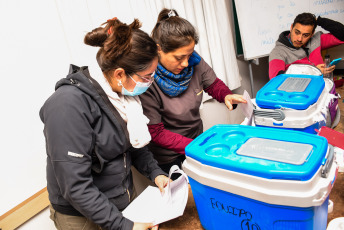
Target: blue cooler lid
[290, 91]
[260, 151]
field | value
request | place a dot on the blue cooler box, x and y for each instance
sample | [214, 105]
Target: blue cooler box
[290, 101]
[258, 178]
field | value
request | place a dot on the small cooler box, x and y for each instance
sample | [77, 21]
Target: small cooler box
[258, 178]
[292, 101]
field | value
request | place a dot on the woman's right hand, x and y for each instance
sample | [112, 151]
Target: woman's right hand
[231, 99]
[143, 226]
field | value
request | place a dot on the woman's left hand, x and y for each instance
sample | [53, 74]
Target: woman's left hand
[161, 181]
[231, 99]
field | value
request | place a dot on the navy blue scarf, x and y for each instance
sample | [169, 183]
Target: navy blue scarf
[175, 84]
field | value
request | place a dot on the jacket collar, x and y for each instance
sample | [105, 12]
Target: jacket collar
[80, 77]
[283, 38]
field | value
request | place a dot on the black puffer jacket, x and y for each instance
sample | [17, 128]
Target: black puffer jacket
[88, 153]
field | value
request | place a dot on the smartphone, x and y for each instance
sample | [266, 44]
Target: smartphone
[335, 61]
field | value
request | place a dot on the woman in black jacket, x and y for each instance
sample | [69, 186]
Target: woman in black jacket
[88, 140]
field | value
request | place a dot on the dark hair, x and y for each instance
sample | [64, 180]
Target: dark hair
[172, 32]
[122, 46]
[306, 19]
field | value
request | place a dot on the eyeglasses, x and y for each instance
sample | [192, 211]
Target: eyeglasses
[147, 79]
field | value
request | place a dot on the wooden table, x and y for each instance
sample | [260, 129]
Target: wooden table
[190, 219]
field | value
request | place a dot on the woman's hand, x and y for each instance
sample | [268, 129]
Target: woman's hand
[145, 226]
[161, 181]
[231, 99]
[326, 70]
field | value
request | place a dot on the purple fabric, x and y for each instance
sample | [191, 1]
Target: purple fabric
[333, 105]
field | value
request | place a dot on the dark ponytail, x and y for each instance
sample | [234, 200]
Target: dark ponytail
[122, 46]
[96, 37]
[172, 32]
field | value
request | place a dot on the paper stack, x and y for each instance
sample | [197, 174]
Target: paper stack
[153, 207]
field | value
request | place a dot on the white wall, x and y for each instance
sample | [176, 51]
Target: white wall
[39, 39]
[33, 57]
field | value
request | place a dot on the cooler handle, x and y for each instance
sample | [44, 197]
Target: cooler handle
[322, 198]
[207, 139]
[328, 164]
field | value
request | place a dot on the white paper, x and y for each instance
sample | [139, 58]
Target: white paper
[339, 158]
[247, 109]
[153, 207]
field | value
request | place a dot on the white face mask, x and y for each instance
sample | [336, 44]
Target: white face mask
[139, 88]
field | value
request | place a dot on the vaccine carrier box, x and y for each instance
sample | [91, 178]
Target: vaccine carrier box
[292, 101]
[260, 178]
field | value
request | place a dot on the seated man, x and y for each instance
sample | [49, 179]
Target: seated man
[301, 45]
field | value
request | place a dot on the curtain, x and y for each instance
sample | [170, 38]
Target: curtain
[210, 18]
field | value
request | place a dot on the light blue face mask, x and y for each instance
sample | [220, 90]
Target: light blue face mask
[140, 88]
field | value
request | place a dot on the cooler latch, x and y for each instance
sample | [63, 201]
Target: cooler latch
[328, 164]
